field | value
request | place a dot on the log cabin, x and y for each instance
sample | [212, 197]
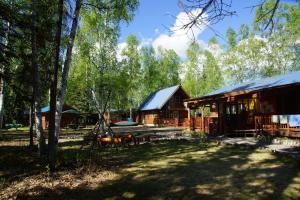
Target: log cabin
[164, 108]
[270, 105]
[70, 117]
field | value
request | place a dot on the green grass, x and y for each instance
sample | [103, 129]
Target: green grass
[157, 170]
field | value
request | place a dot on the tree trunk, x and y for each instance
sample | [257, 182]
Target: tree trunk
[1, 100]
[130, 112]
[31, 118]
[66, 68]
[2, 71]
[52, 140]
[36, 83]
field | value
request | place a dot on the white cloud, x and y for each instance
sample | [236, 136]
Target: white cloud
[180, 38]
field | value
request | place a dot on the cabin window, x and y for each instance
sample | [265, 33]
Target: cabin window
[245, 102]
[228, 109]
[242, 107]
[233, 109]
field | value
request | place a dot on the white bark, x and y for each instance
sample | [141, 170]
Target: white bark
[66, 67]
[36, 84]
[2, 81]
[1, 101]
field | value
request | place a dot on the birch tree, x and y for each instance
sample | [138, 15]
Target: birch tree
[36, 82]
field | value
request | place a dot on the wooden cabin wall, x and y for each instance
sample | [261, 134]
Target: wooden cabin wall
[66, 120]
[149, 117]
[281, 101]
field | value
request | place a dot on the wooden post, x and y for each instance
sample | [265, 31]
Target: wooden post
[189, 119]
[202, 118]
[218, 119]
[288, 126]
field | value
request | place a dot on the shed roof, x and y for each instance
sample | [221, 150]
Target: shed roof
[156, 100]
[66, 109]
[267, 83]
[45, 109]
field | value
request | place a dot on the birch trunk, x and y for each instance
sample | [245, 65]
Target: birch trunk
[31, 119]
[1, 99]
[2, 71]
[36, 83]
[66, 67]
[52, 140]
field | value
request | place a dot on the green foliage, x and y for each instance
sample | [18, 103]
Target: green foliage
[212, 78]
[244, 32]
[231, 37]
[132, 71]
[95, 66]
[203, 73]
[169, 66]
[15, 56]
[151, 72]
[192, 76]
[263, 53]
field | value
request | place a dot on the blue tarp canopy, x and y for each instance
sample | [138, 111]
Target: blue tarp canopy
[157, 100]
[68, 111]
[267, 83]
[45, 109]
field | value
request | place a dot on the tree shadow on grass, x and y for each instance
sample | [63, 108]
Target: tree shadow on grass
[18, 162]
[186, 170]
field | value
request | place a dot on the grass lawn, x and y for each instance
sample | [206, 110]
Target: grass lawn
[158, 170]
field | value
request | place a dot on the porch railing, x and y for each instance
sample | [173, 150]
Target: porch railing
[197, 123]
[267, 124]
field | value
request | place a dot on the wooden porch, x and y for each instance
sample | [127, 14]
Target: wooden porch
[266, 124]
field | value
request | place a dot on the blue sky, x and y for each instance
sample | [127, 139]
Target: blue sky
[154, 17]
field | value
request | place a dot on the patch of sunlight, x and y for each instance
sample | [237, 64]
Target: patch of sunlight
[135, 168]
[225, 180]
[293, 189]
[206, 189]
[201, 152]
[257, 182]
[215, 149]
[269, 190]
[177, 188]
[261, 160]
[163, 163]
[140, 175]
[128, 195]
[259, 156]
[95, 178]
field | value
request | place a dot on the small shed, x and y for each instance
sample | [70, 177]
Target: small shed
[70, 117]
[164, 107]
